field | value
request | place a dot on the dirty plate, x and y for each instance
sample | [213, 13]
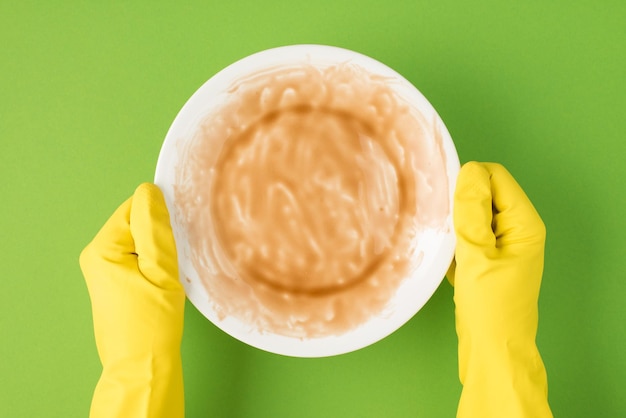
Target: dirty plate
[380, 256]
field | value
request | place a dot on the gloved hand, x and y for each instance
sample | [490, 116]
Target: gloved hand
[499, 265]
[131, 271]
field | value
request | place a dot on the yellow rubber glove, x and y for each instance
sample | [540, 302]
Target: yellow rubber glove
[499, 264]
[137, 301]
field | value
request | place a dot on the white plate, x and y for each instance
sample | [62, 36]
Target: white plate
[432, 248]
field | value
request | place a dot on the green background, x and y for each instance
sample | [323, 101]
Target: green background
[89, 89]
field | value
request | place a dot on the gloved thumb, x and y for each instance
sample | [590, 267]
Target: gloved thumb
[472, 210]
[473, 207]
[154, 240]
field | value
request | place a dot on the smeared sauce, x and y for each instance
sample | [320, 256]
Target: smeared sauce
[303, 197]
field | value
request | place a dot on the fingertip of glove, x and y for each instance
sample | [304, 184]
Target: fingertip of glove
[149, 200]
[149, 210]
[472, 169]
[473, 179]
[472, 165]
[149, 192]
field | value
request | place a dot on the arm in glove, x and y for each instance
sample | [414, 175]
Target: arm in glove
[137, 301]
[499, 264]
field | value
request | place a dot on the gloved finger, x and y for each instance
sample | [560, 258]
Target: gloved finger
[154, 240]
[112, 244]
[473, 213]
[515, 218]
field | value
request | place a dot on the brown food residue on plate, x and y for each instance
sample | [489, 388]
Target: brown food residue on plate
[302, 197]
